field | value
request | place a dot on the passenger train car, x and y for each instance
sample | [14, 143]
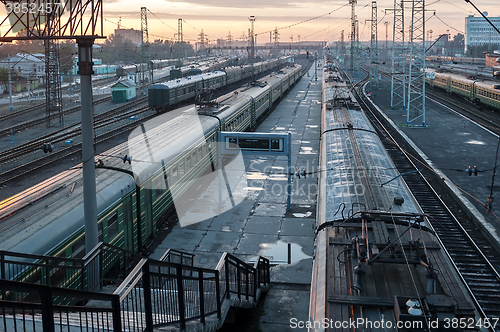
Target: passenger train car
[451, 59]
[477, 91]
[208, 64]
[377, 265]
[162, 96]
[47, 219]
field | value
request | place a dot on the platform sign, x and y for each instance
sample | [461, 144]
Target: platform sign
[275, 144]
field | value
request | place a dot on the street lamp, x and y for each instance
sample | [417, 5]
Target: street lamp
[252, 20]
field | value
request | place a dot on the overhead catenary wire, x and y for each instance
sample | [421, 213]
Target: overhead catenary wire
[304, 21]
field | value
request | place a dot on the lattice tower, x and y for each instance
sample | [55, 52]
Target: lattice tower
[374, 48]
[398, 82]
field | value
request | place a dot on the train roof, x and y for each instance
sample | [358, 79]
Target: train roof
[347, 132]
[376, 257]
[41, 217]
[487, 84]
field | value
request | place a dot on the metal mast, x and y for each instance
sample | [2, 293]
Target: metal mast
[180, 37]
[203, 40]
[276, 36]
[356, 47]
[342, 43]
[146, 54]
[80, 14]
[398, 91]
[252, 39]
[386, 35]
[53, 96]
[416, 81]
[353, 34]
[374, 48]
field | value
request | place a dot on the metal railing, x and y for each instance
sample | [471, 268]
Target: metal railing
[237, 277]
[154, 293]
[177, 256]
[109, 263]
[42, 314]
[161, 293]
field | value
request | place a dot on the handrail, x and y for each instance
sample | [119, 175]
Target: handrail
[47, 308]
[177, 253]
[154, 293]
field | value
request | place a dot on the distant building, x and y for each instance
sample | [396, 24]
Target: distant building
[479, 32]
[135, 36]
[492, 59]
[25, 65]
[123, 90]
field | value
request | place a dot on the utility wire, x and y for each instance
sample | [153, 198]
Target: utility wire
[161, 20]
[308, 20]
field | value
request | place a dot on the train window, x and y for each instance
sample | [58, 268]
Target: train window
[181, 169]
[174, 174]
[159, 187]
[200, 152]
[188, 162]
[99, 231]
[78, 248]
[112, 226]
[193, 158]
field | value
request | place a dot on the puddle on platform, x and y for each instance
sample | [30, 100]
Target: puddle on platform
[253, 188]
[282, 252]
[302, 215]
[256, 176]
[476, 142]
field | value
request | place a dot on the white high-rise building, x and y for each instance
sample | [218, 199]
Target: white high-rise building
[479, 32]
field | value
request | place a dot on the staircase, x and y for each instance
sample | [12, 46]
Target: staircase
[156, 295]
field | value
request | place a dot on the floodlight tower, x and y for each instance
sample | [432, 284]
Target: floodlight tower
[398, 91]
[180, 37]
[353, 34]
[416, 78]
[146, 54]
[356, 47]
[53, 95]
[252, 39]
[342, 43]
[374, 48]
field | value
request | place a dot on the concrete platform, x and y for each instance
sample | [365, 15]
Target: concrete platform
[451, 143]
[260, 224]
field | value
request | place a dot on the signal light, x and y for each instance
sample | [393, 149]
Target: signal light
[126, 158]
[472, 170]
[300, 173]
[47, 147]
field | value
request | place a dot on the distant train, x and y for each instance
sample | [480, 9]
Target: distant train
[213, 63]
[164, 95]
[477, 91]
[455, 60]
[129, 208]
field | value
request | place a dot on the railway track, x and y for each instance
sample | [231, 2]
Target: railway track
[73, 130]
[12, 115]
[490, 120]
[34, 122]
[47, 160]
[474, 259]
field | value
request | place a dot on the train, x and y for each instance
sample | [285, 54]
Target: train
[477, 91]
[163, 96]
[47, 219]
[211, 64]
[377, 265]
[454, 59]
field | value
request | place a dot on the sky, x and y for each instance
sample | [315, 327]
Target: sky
[296, 20]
